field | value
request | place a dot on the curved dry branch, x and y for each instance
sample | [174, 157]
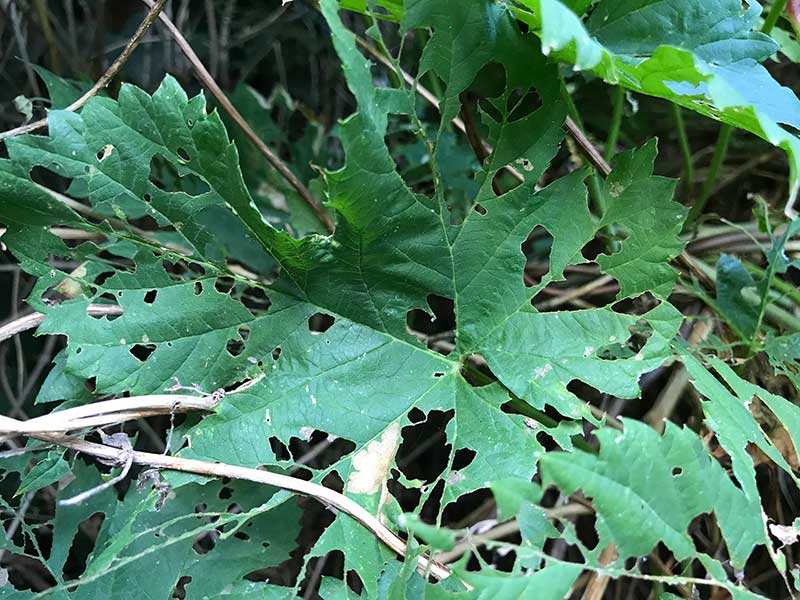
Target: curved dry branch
[112, 411]
[105, 78]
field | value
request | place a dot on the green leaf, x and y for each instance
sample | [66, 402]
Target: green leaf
[551, 583]
[47, 471]
[194, 309]
[437, 539]
[139, 548]
[280, 203]
[639, 477]
[732, 281]
[705, 58]
[714, 31]
[728, 416]
[62, 92]
[640, 203]
[783, 353]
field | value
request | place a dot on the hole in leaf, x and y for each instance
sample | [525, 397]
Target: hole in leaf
[150, 296]
[104, 152]
[142, 351]
[592, 249]
[492, 109]
[256, 300]
[148, 197]
[107, 299]
[244, 332]
[424, 452]
[183, 154]
[224, 284]
[320, 451]
[616, 349]
[431, 507]
[235, 347]
[636, 306]
[586, 529]
[82, 545]
[536, 250]
[198, 288]
[415, 415]
[468, 504]
[407, 498]
[180, 587]
[490, 82]
[436, 327]
[584, 391]
[279, 449]
[101, 278]
[276, 353]
[438, 374]
[225, 492]
[676, 471]
[320, 322]
[522, 103]
[51, 177]
[463, 457]
[479, 209]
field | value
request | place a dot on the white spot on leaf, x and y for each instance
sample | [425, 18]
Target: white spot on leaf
[371, 465]
[786, 534]
[455, 477]
[540, 372]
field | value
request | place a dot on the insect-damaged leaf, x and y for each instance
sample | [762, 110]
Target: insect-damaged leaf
[211, 293]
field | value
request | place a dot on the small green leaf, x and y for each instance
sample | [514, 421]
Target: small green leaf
[46, 471]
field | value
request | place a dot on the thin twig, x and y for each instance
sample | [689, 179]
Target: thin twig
[10, 7]
[575, 293]
[77, 499]
[213, 41]
[209, 82]
[105, 78]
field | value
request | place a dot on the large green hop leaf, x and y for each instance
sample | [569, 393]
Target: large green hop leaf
[361, 378]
